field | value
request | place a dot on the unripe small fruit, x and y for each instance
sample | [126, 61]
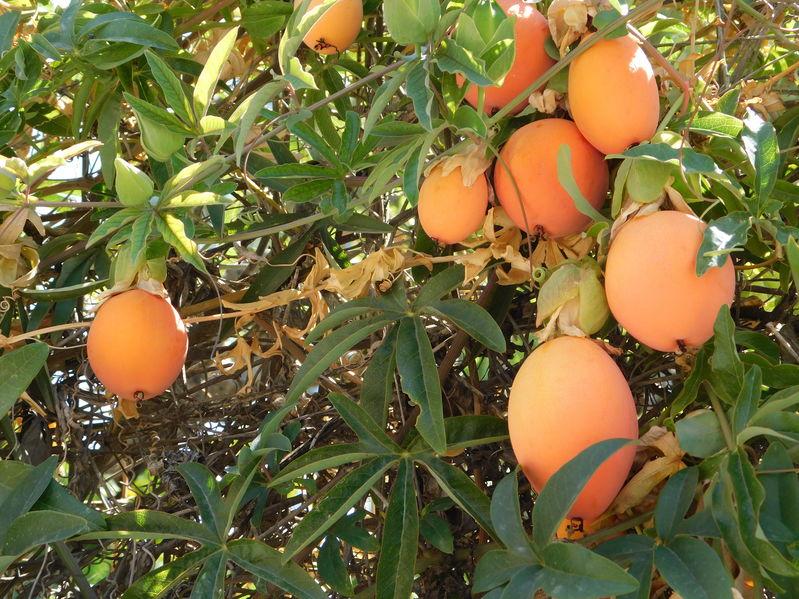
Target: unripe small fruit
[337, 28]
[137, 344]
[449, 211]
[568, 395]
[651, 283]
[613, 95]
[531, 156]
[530, 61]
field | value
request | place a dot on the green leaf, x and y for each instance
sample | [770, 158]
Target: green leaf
[297, 171]
[134, 188]
[138, 236]
[134, 31]
[506, 516]
[378, 379]
[210, 582]
[781, 487]
[247, 113]
[171, 86]
[349, 139]
[322, 458]
[727, 368]
[647, 180]
[329, 349]
[40, 527]
[411, 21]
[715, 123]
[463, 491]
[18, 368]
[191, 175]
[568, 182]
[471, 318]
[307, 190]
[792, 251]
[693, 569]
[362, 424]
[347, 311]
[690, 160]
[156, 116]
[454, 58]
[440, 285]
[345, 494]
[690, 388]
[157, 583]
[267, 563]
[273, 275]
[173, 231]
[151, 524]
[748, 399]
[419, 89]
[205, 490]
[30, 486]
[721, 236]
[384, 94]
[111, 224]
[473, 430]
[206, 82]
[497, 567]
[8, 28]
[573, 572]
[436, 531]
[395, 567]
[419, 377]
[315, 141]
[332, 568]
[674, 501]
[762, 149]
[563, 487]
[700, 434]
[524, 583]
[749, 496]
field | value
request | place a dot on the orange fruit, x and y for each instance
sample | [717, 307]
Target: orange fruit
[531, 156]
[651, 282]
[568, 395]
[613, 95]
[337, 28]
[448, 210]
[137, 344]
[530, 61]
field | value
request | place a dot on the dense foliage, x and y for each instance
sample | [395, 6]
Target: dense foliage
[339, 427]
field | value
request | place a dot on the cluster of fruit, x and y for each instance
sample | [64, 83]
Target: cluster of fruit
[652, 287]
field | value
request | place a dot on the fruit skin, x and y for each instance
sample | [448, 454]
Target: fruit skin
[613, 95]
[651, 282]
[335, 31]
[448, 210]
[137, 343]
[568, 395]
[531, 154]
[529, 63]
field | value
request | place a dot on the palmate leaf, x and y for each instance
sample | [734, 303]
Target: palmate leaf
[40, 527]
[18, 368]
[693, 569]
[762, 149]
[506, 517]
[152, 524]
[205, 490]
[362, 424]
[563, 487]
[206, 82]
[497, 567]
[440, 285]
[210, 582]
[30, 486]
[345, 494]
[267, 563]
[419, 376]
[329, 349]
[471, 318]
[173, 231]
[573, 572]
[378, 379]
[171, 86]
[322, 458]
[157, 583]
[395, 567]
[674, 501]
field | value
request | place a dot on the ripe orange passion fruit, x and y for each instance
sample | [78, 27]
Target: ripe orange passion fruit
[137, 344]
[613, 95]
[530, 62]
[530, 157]
[337, 28]
[651, 283]
[568, 395]
[449, 211]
